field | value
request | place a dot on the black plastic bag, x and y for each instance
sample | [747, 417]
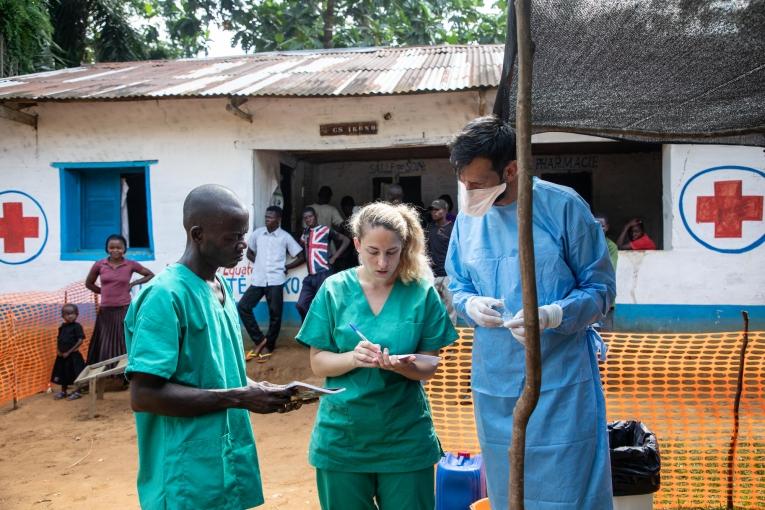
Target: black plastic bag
[635, 461]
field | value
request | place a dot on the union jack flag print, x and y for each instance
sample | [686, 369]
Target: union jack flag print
[316, 242]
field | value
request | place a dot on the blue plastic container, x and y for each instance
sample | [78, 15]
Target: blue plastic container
[460, 481]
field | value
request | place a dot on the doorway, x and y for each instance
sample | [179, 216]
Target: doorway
[581, 182]
[285, 185]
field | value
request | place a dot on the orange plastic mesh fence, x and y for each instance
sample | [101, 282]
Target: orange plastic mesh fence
[29, 324]
[681, 386]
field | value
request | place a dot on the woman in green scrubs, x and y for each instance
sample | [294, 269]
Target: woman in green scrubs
[373, 445]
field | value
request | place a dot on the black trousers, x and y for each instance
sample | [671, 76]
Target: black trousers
[311, 285]
[275, 299]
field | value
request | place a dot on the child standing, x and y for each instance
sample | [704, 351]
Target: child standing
[69, 362]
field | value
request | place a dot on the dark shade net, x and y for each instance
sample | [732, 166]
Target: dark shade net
[668, 70]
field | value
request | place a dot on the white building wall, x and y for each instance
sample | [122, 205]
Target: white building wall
[198, 141]
[688, 272]
[192, 141]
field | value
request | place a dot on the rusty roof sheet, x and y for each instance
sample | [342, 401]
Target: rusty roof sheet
[335, 72]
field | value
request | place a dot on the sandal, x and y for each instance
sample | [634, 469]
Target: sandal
[59, 395]
[262, 358]
[74, 396]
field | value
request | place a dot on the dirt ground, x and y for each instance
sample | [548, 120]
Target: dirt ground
[53, 457]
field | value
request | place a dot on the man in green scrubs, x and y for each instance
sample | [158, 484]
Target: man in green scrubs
[189, 388]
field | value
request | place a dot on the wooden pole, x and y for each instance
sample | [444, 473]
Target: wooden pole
[528, 399]
[736, 405]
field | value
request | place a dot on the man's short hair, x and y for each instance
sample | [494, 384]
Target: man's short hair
[310, 210]
[439, 204]
[485, 137]
[274, 209]
[325, 192]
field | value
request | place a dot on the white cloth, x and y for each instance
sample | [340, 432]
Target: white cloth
[271, 250]
[327, 214]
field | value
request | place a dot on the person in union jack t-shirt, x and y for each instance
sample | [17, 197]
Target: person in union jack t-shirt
[318, 242]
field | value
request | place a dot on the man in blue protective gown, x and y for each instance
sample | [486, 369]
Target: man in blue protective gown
[567, 463]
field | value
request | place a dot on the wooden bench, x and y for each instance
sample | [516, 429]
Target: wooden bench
[94, 374]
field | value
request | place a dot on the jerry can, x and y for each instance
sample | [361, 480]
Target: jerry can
[460, 481]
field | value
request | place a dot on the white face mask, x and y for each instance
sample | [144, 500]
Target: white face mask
[477, 202]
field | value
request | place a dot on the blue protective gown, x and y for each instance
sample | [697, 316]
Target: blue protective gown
[567, 463]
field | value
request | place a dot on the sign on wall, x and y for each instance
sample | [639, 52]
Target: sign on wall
[239, 279]
[348, 128]
[722, 208]
[23, 227]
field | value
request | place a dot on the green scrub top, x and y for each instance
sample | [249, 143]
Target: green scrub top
[381, 422]
[178, 330]
[613, 252]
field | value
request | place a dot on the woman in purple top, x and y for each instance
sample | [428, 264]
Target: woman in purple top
[114, 274]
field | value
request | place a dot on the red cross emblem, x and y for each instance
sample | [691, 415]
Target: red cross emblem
[15, 227]
[728, 209]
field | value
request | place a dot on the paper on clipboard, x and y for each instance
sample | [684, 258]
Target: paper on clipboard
[305, 391]
[424, 359]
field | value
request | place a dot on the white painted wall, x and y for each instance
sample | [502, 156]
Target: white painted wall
[193, 142]
[197, 141]
[422, 119]
[687, 272]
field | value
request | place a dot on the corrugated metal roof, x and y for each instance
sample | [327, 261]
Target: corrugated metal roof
[337, 72]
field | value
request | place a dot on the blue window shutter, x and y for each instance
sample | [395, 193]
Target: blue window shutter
[70, 210]
[100, 215]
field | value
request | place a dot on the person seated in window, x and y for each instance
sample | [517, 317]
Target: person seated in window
[633, 237]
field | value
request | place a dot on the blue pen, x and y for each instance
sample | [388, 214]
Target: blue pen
[361, 335]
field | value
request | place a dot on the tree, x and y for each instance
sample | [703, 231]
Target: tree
[105, 31]
[43, 34]
[268, 25]
[25, 37]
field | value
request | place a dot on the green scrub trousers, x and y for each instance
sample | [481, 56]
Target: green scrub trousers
[341, 490]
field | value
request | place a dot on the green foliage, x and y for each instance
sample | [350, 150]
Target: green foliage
[267, 25]
[42, 34]
[25, 37]
[105, 31]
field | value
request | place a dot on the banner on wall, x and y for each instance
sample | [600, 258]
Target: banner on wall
[239, 279]
[722, 208]
[23, 227]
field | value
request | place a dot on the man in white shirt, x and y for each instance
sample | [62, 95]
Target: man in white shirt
[326, 213]
[267, 248]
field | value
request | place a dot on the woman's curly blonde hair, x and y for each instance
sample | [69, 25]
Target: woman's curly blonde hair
[404, 221]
